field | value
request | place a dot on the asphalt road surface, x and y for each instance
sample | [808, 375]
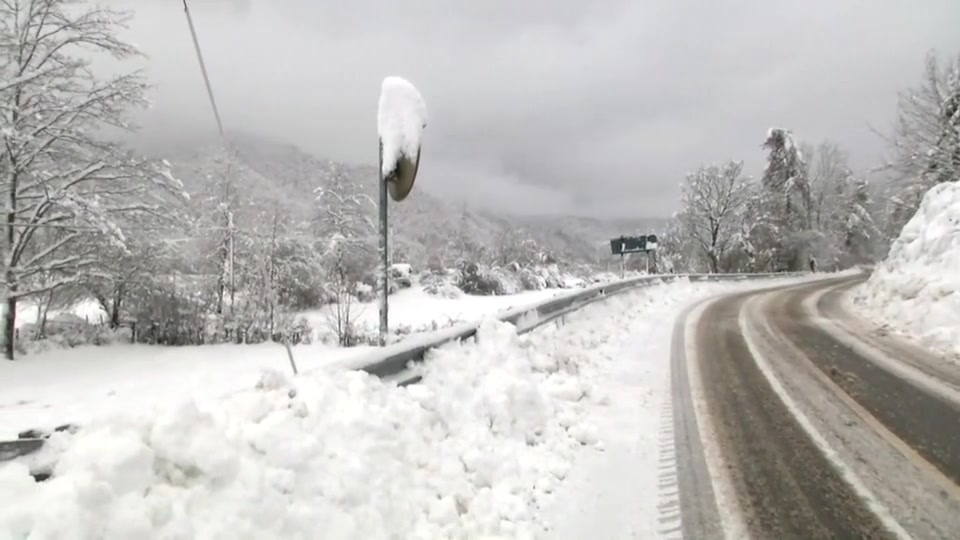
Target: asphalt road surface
[795, 419]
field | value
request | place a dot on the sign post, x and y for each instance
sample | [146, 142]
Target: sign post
[384, 233]
[401, 118]
[624, 245]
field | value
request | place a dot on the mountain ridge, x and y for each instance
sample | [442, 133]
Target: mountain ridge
[268, 172]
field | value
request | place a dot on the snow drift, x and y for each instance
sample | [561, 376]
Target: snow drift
[916, 290]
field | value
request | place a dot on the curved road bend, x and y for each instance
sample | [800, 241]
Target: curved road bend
[818, 439]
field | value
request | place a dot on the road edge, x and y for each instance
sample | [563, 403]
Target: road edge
[699, 508]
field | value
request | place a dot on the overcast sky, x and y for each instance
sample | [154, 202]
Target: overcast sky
[593, 108]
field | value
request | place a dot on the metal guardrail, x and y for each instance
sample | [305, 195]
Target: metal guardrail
[394, 363]
[397, 362]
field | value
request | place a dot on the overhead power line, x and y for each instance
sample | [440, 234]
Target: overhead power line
[203, 70]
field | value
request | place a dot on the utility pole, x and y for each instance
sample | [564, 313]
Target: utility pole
[232, 259]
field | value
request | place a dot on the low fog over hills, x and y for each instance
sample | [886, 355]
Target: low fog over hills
[272, 175]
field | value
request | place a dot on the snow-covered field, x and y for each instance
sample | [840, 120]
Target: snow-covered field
[49, 388]
[916, 290]
[413, 310]
[482, 446]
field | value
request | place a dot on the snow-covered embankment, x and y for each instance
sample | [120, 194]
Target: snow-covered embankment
[916, 290]
[472, 450]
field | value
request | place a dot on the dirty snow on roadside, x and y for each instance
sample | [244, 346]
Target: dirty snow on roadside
[916, 290]
[479, 448]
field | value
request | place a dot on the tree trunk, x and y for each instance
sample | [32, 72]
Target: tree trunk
[714, 263]
[115, 314]
[118, 293]
[42, 313]
[10, 325]
[10, 317]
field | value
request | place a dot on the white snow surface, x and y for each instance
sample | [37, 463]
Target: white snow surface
[401, 117]
[414, 310]
[47, 389]
[476, 450]
[916, 290]
[43, 390]
[87, 310]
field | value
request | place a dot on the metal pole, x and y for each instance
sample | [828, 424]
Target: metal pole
[384, 324]
[232, 261]
[648, 262]
[622, 274]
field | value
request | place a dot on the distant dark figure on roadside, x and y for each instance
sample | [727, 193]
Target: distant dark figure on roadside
[813, 264]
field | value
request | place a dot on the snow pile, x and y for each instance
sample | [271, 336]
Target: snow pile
[917, 289]
[401, 118]
[474, 450]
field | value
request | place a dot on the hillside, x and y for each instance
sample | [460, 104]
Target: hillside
[271, 177]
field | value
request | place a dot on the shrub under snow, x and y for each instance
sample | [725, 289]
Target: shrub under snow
[917, 288]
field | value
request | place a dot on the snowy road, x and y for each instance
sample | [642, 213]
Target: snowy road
[815, 424]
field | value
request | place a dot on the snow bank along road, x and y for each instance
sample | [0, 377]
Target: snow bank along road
[813, 423]
[558, 433]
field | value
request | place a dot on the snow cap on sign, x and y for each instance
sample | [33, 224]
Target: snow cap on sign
[400, 121]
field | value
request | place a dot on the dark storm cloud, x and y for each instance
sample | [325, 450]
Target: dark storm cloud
[565, 106]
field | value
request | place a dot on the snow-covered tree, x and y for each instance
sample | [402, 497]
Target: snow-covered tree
[859, 233]
[343, 225]
[925, 143]
[713, 199]
[843, 230]
[515, 247]
[347, 245]
[926, 140]
[59, 182]
[129, 271]
[785, 205]
[463, 246]
[829, 169]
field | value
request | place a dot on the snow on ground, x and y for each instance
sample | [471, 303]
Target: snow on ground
[612, 490]
[51, 388]
[87, 310]
[414, 310]
[916, 291]
[478, 448]
[46, 389]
